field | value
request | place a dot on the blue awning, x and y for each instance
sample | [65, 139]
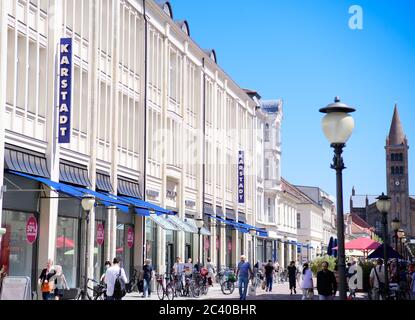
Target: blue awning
[59, 187]
[107, 200]
[152, 208]
[242, 227]
[79, 192]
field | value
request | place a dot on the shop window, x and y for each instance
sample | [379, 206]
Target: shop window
[124, 246]
[151, 242]
[17, 253]
[67, 248]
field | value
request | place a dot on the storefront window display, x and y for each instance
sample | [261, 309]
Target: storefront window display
[188, 238]
[171, 250]
[260, 250]
[125, 241]
[17, 252]
[268, 251]
[20, 218]
[151, 242]
[68, 248]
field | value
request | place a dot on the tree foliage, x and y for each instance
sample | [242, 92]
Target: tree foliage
[315, 265]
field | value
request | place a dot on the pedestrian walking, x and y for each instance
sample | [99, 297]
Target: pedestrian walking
[277, 272]
[242, 273]
[107, 264]
[307, 283]
[115, 274]
[292, 276]
[211, 271]
[269, 275]
[377, 280]
[326, 283]
[47, 286]
[147, 275]
[59, 282]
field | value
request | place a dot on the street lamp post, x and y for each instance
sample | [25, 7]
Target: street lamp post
[88, 203]
[383, 205]
[252, 232]
[337, 126]
[199, 225]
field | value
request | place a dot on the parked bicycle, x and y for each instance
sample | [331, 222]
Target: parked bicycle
[132, 286]
[164, 288]
[228, 282]
[98, 291]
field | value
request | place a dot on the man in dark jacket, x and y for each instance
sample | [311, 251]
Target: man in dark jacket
[326, 283]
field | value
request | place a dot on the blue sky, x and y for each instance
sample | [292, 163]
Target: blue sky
[305, 53]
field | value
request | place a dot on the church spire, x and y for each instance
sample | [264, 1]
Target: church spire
[396, 134]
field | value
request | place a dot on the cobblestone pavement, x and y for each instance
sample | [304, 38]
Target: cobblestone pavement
[279, 292]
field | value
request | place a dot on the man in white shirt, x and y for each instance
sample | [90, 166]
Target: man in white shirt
[377, 275]
[111, 275]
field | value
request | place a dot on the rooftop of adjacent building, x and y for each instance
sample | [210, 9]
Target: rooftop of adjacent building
[316, 194]
[291, 189]
[356, 219]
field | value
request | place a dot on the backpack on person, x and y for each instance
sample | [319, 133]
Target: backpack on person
[119, 287]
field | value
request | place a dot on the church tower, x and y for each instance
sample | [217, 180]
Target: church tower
[397, 174]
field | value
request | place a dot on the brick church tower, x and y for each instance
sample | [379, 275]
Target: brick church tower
[397, 176]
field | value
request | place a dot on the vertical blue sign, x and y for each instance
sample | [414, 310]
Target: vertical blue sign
[65, 90]
[241, 178]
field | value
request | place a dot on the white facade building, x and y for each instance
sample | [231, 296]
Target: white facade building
[327, 202]
[149, 107]
[269, 116]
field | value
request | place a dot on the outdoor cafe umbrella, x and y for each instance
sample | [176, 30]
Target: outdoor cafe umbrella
[335, 248]
[361, 244]
[72, 252]
[63, 242]
[330, 247]
[378, 253]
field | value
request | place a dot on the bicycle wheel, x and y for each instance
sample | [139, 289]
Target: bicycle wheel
[178, 289]
[170, 292]
[195, 290]
[227, 287]
[205, 289]
[99, 296]
[160, 291]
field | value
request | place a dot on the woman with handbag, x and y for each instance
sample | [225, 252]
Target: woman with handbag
[46, 286]
[59, 282]
[307, 284]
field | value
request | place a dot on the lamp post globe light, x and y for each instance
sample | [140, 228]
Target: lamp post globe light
[199, 225]
[338, 126]
[383, 205]
[87, 203]
[252, 232]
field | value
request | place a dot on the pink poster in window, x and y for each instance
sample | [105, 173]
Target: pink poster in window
[100, 234]
[130, 237]
[31, 229]
[217, 243]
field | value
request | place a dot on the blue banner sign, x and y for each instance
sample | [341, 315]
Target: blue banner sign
[241, 178]
[65, 90]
